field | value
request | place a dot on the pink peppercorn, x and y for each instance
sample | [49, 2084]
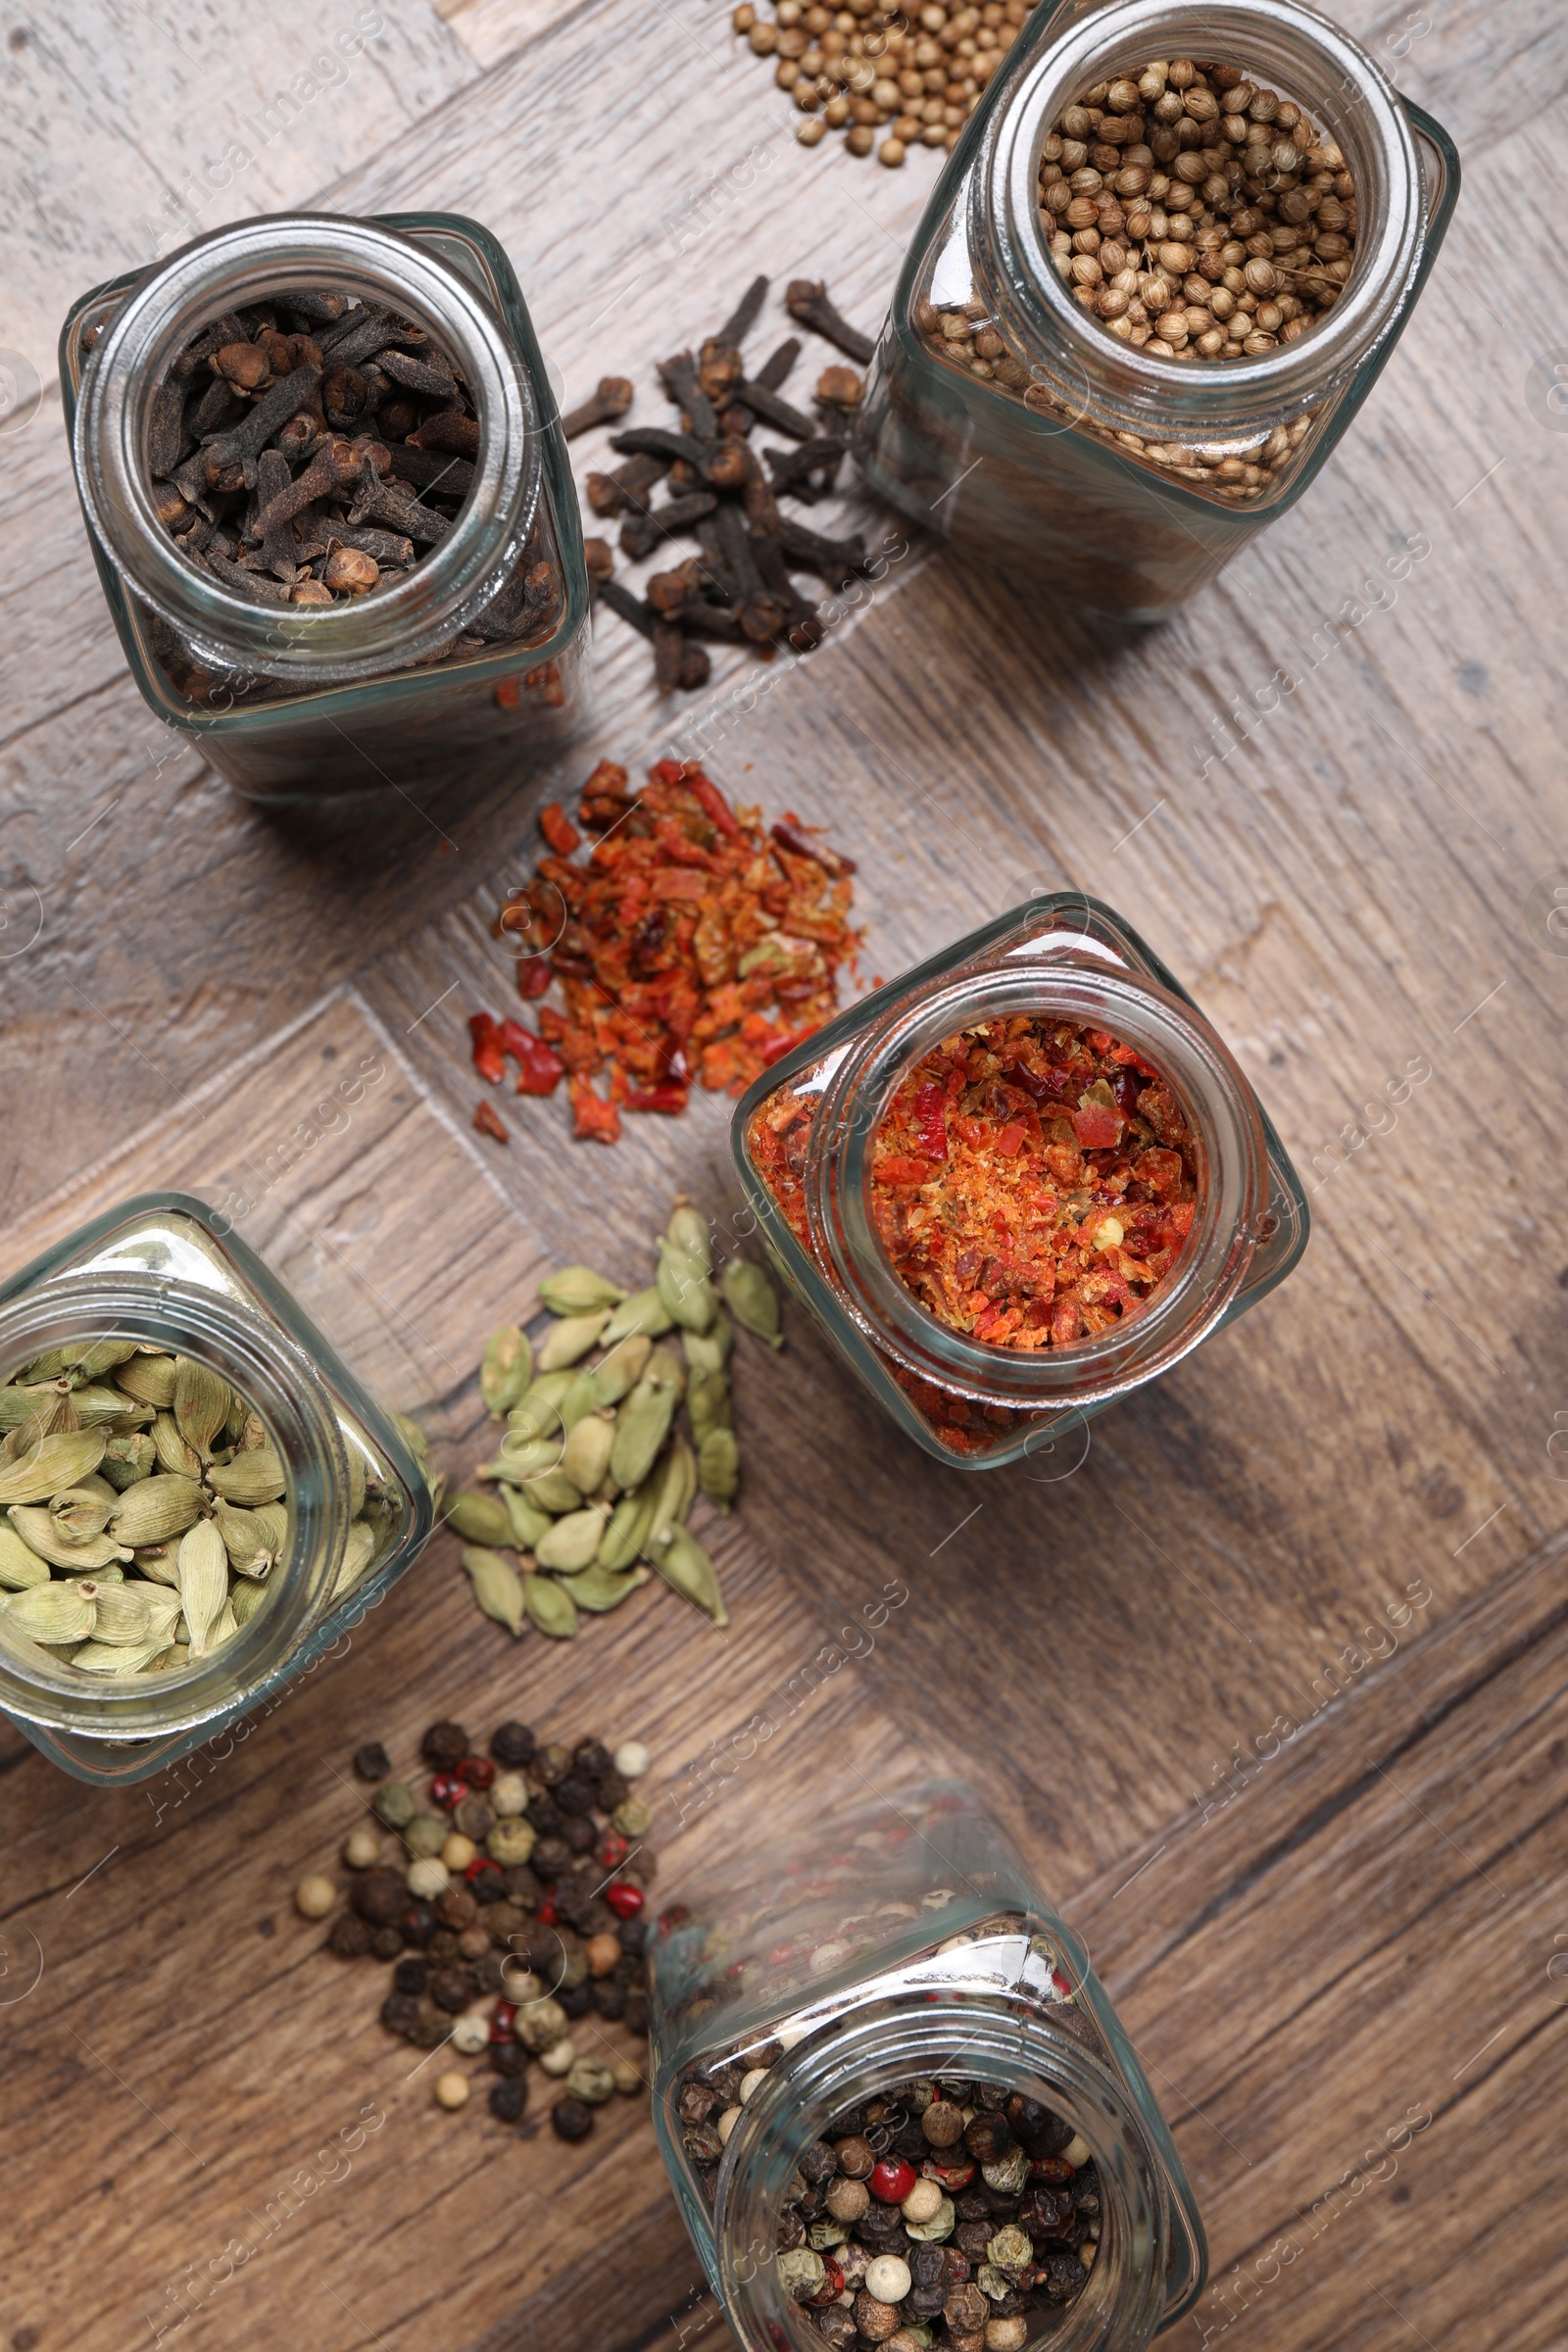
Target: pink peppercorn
[891, 2180]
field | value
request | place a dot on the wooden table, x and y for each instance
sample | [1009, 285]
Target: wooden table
[1271, 1687]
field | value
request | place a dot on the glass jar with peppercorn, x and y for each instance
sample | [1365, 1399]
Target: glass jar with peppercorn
[1019, 1183]
[197, 1495]
[893, 2096]
[1158, 276]
[329, 503]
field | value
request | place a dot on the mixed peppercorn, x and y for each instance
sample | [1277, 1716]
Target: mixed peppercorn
[511, 1913]
[691, 942]
[1033, 1181]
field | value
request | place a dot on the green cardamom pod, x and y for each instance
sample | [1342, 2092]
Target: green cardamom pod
[586, 1455]
[688, 1231]
[708, 1350]
[497, 1586]
[127, 1460]
[359, 1469]
[415, 1439]
[526, 1522]
[616, 1374]
[549, 1606]
[92, 1362]
[630, 1525]
[580, 1399]
[39, 1531]
[248, 1539]
[202, 1569]
[479, 1518]
[250, 1476]
[95, 1406]
[579, 1290]
[707, 1403]
[686, 1567]
[538, 1415]
[640, 1428]
[173, 1449]
[359, 1551]
[150, 1379]
[19, 1405]
[643, 1311]
[552, 1492]
[677, 1492]
[79, 1513]
[53, 1364]
[54, 1612]
[506, 1370]
[597, 1589]
[47, 1468]
[124, 1616]
[568, 1341]
[718, 1467]
[202, 1404]
[113, 1657]
[522, 1458]
[245, 1600]
[20, 1565]
[751, 1299]
[573, 1539]
[238, 1420]
[685, 1288]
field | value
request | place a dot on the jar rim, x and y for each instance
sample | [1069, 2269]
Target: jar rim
[1364, 116]
[1227, 1226]
[252, 261]
[277, 1379]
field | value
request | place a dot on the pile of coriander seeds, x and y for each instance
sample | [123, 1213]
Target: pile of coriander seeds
[509, 1897]
[918, 74]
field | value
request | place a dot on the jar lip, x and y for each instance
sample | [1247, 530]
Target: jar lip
[1233, 1190]
[1228, 395]
[279, 1381]
[267, 255]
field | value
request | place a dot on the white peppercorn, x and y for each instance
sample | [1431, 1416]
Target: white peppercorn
[427, 1878]
[315, 1896]
[452, 2090]
[561, 2056]
[631, 1759]
[470, 2034]
[361, 1847]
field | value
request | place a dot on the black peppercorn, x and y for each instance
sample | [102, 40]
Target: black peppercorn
[696, 2100]
[819, 2162]
[387, 1943]
[448, 1990]
[508, 2058]
[925, 2302]
[473, 1816]
[1064, 2276]
[442, 1948]
[456, 1908]
[926, 2265]
[486, 1971]
[551, 1764]
[508, 2098]
[575, 1999]
[610, 1790]
[419, 1923]
[579, 1833]
[593, 1758]
[727, 2080]
[487, 1885]
[910, 2143]
[571, 2119]
[791, 2232]
[987, 2137]
[522, 1887]
[574, 1794]
[444, 1744]
[837, 2326]
[1086, 2193]
[351, 1936]
[411, 1975]
[992, 2096]
[372, 1761]
[573, 1904]
[551, 1855]
[702, 2144]
[973, 2238]
[432, 2030]
[400, 2012]
[608, 1998]
[636, 2010]
[511, 1745]
[632, 1934]
[379, 1896]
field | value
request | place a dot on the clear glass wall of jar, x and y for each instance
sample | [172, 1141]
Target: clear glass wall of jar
[901, 1941]
[473, 662]
[1117, 480]
[802, 1139]
[164, 1273]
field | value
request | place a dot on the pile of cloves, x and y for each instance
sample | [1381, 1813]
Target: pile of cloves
[738, 589]
[314, 449]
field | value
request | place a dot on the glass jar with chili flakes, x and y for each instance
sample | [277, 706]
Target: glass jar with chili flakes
[1019, 1182]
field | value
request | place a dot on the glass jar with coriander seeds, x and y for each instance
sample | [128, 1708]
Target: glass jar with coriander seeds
[896, 2105]
[197, 1496]
[329, 498]
[1019, 1183]
[1161, 272]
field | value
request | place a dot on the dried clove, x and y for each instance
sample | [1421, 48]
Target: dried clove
[768, 404]
[611, 399]
[745, 315]
[807, 300]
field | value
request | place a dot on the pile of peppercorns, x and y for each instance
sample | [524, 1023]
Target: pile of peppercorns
[512, 1913]
[936, 2218]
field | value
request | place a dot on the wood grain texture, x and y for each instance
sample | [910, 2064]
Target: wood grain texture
[1322, 1884]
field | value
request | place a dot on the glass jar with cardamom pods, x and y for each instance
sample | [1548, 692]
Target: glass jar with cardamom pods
[1161, 272]
[1019, 1182]
[197, 1496]
[329, 497]
[893, 2096]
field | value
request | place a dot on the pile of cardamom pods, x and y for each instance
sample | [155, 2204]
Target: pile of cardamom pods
[594, 1477]
[144, 1508]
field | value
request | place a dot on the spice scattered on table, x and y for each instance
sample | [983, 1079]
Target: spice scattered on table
[944, 2211]
[1033, 1181]
[691, 942]
[739, 588]
[916, 73]
[313, 450]
[144, 1508]
[509, 1903]
[595, 1476]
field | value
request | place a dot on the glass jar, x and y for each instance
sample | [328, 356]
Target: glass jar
[448, 674]
[973, 1404]
[1117, 479]
[901, 1941]
[165, 1271]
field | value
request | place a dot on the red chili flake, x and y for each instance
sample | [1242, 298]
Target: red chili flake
[489, 1054]
[832, 2285]
[624, 1899]
[669, 1100]
[508, 693]
[546, 1912]
[594, 1120]
[558, 829]
[487, 1120]
[500, 2017]
[478, 1770]
[540, 1068]
[447, 1789]
[533, 976]
[891, 2180]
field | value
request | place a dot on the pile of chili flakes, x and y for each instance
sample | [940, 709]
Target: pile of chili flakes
[690, 944]
[1033, 1181]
